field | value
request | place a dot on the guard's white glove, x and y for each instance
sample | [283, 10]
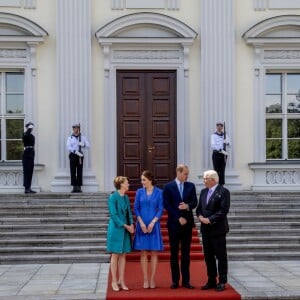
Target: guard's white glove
[79, 154]
[225, 141]
[81, 144]
[224, 152]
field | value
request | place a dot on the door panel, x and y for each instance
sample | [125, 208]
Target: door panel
[146, 106]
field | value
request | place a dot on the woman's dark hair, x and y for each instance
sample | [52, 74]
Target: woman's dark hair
[149, 176]
[118, 181]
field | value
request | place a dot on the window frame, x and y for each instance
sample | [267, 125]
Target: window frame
[284, 115]
[4, 115]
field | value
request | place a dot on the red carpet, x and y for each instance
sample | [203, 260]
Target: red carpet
[134, 277]
[134, 281]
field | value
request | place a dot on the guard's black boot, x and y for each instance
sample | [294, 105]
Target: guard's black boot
[74, 189]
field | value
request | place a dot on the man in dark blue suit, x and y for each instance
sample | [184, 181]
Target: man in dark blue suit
[179, 200]
[212, 210]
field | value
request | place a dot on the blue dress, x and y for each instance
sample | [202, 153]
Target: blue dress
[148, 207]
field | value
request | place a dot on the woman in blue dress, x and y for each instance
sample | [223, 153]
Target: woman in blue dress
[120, 227]
[148, 208]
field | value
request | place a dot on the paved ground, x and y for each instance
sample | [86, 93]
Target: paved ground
[252, 279]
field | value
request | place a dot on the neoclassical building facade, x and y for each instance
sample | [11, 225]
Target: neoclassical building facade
[147, 80]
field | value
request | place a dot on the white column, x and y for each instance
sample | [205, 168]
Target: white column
[74, 98]
[218, 78]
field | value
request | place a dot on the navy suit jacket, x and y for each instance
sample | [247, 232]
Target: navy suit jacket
[216, 210]
[172, 198]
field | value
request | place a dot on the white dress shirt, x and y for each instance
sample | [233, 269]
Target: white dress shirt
[73, 143]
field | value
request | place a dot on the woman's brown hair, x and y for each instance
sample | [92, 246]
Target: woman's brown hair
[149, 176]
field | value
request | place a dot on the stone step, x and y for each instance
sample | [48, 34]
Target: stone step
[42, 214]
[295, 247]
[56, 220]
[53, 234]
[239, 240]
[33, 250]
[264, 206]
[62, 199]
[264, 255]
[264, 195]
[54, 259]
[263, 218]
[50, 208]
[266, 225]
[63, 242]
[263, 232]
[253, 211]
[51, 227]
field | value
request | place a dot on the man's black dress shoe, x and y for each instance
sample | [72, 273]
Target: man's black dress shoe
[208, 286]
[188, 286]
[220, 287]
[174, 286]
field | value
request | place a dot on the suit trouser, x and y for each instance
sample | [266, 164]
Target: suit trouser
[181, 237]
[215, 251]
[76, 167]
[219, 163]
[28, 165]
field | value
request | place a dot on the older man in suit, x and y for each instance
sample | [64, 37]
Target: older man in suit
[212, 210]
[180, 198]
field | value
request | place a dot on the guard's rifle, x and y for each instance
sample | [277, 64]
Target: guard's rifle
[79, 147]
[224, 145]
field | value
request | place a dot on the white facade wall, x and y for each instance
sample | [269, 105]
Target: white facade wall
[54, 119]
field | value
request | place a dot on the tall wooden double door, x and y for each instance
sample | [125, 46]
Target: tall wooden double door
[146, 125]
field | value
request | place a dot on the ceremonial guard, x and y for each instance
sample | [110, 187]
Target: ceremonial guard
[219, 141]
[28, 157]
[75, 145]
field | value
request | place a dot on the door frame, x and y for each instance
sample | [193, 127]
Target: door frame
[147, 133]
[151, 53]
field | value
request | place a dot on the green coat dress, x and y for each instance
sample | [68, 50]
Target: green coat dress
[118, 238]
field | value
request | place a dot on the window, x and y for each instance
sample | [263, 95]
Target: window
[11, 115]
[282, 107]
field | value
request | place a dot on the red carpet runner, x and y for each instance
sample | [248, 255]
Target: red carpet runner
[134, 278]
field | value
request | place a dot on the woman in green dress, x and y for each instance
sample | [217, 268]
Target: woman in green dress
[120, 227]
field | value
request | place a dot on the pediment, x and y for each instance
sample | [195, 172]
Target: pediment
[145, 25]
[285, 28]
[17, 28]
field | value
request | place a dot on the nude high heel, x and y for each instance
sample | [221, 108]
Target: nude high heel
[115, 287]
[123, 286]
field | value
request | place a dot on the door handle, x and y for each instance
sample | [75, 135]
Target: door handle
[150, 148]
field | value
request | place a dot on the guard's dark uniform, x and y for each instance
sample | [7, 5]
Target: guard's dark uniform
[28, 157]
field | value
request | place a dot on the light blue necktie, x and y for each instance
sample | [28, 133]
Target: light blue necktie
[181, 189]
[208, 195]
